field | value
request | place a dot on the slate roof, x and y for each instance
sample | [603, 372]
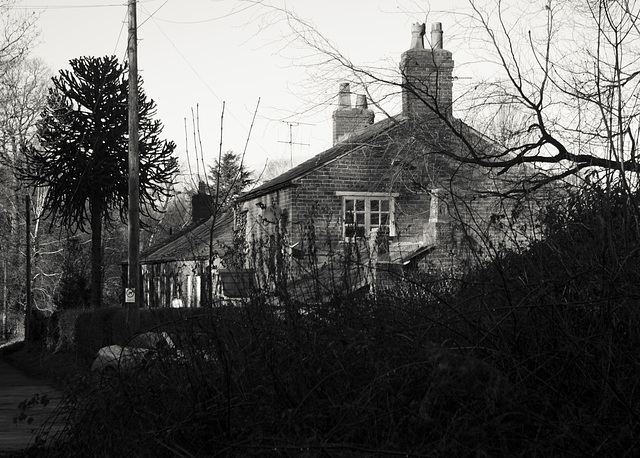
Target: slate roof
[191, 243]
[371, 135]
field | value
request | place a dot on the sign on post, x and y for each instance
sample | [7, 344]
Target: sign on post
[130, 295]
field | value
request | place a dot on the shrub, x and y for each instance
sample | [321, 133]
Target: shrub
[532, 354]
[39, 324]
[95, 329]
[62, 329]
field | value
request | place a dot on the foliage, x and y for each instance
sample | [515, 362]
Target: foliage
[61, 332]
[73, 291]
[228, 177]
[533, 354]
[81, 154]
[19, 33]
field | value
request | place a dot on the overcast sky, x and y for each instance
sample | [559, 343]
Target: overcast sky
[199, 53]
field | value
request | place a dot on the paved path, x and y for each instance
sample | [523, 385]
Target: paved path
[15, 387]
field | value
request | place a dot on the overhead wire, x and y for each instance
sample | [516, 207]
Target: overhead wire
[59, 7]
[193, 69]
[156, 21]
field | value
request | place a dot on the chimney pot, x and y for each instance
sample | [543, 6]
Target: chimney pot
[344, 96]
[417, 35]
[361, 102]
[436, 35]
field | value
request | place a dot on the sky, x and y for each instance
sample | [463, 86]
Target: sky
[196, 55]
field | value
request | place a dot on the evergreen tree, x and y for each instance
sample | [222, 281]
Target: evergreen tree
[229, 177]
[81, 152]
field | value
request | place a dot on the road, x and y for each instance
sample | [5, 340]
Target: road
[15, 387]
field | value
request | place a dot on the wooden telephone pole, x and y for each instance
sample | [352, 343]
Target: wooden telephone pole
[133, 292]
[27, 317]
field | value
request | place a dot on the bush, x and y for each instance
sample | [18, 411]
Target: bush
[62, 329]
[95, 329]
[39, 324]
[533, 354]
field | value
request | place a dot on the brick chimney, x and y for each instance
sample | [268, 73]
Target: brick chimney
[201, 204]
[348, 120]
[427, 74]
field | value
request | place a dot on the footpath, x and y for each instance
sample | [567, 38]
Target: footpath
[16, 387]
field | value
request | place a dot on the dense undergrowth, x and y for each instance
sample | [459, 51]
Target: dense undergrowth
[534, 354]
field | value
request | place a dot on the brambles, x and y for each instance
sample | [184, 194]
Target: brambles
[532, 354]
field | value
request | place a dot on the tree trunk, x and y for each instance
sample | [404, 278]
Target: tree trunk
[96, 252]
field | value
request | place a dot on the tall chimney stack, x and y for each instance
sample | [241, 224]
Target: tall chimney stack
[436, 35]
[427, 75]
[201, 204]
[348, 120]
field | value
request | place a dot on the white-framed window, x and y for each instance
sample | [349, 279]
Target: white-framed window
[364, 212]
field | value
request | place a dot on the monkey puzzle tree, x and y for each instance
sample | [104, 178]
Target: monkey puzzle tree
[81, 152]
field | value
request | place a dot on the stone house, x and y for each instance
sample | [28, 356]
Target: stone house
[385, 198]
[175, 272]
[384, 201]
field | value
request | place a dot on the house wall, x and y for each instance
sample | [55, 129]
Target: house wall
[451, 214]
[313, 205]
[452, 208]
[173, 284]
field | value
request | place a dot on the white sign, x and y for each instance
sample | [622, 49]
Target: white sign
[129, 295]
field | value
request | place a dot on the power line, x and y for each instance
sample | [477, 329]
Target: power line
[60, 7]
[202, 21]
[153, 14]
[193, 69]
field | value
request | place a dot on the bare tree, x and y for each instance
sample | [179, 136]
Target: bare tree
[555, 86]
[21, 88]
[18, 34]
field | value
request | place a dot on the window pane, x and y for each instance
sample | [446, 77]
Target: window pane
[366, 213]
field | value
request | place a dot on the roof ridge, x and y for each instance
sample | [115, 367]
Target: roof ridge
[324, 157]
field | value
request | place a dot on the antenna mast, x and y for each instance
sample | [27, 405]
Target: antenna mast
[291, 142]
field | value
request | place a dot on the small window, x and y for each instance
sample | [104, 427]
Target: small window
[363, 214]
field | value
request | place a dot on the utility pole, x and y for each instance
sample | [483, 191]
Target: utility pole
[27, 317]
[4, 301]
[133, 293]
